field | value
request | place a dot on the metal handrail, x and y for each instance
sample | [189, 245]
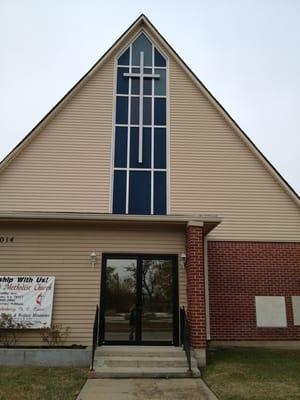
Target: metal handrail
[185, 337]
[95, 337]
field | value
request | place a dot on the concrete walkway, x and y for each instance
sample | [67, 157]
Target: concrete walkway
[145, 389]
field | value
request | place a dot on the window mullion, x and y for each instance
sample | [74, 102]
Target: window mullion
[152, 136]
[128, 137]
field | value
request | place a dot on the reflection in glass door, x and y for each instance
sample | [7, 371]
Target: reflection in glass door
[120, 301]
[139, 300]
[157, 300]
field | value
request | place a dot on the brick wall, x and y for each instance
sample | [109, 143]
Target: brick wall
[239, 271]
[195, 286]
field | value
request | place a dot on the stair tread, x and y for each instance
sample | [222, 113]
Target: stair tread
[125, 372]
[138, 347]
[128, 369]
[141, 358]
[158, 355]
[133, 349]
[151, 362]
[144, 353]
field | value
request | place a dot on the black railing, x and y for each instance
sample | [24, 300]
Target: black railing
[95, 337]
[185, 336]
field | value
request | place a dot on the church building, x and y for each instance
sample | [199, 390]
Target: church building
[140, 194]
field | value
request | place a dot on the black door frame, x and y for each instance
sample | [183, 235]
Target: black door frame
[139, 257]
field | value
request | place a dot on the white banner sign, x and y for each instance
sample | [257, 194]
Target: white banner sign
[28, 299]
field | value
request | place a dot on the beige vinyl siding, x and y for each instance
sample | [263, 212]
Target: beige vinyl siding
[63, 251]
[67, 166]
[214, 171]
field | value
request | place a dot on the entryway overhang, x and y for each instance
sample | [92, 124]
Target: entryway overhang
[207, 221]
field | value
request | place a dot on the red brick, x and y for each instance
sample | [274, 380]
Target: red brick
[239, 271]
[196, 286]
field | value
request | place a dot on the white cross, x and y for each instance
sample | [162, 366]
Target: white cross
[141, 76]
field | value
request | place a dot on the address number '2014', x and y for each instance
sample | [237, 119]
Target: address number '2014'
[6, 239]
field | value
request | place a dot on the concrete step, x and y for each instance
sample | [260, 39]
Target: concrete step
[143, 351]
[146, 372]
[144, 361]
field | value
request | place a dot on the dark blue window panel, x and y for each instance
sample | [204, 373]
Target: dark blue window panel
[147, 108]
[135, 106]
[135, 70]
[140, 192]
[135, 86]
[134, 148]
[121, 147]
[147, 70]
[122, 110]
[160, 193]
[159, 111]
[142, 43]
[159, 59]
[160, 148]
[148, 86]
[124, 58]
[119, 201]
[160, 84]
[122, 81]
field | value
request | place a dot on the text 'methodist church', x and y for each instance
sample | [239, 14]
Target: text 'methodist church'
[138, 192]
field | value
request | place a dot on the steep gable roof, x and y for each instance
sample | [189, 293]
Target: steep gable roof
[143, 22]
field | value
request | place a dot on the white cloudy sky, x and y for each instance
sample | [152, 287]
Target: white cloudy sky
[247, 52]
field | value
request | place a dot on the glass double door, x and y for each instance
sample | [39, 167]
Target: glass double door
[139, 301]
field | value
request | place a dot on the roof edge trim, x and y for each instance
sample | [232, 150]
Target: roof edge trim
[142, 19]
[60, 104]
[246, 139]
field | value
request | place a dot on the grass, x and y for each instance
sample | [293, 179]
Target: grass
[233, 374]
[41, 383]
[254, 374]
